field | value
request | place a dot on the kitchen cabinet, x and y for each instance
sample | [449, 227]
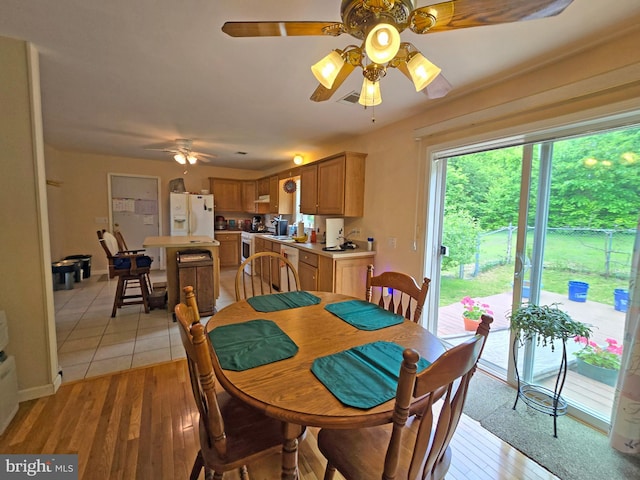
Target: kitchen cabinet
[227, 194]
[309, 189]
[262, 186]
[274, 197]
[200, 276]
[275, 266]
[308, 270]
[334, 186]
[229, 249]
[269, 246]
[343, 275]
[249, 196]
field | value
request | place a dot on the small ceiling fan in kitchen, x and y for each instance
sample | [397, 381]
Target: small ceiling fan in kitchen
[377, 24]
[183, 152]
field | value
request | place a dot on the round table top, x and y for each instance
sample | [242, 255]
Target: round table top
[287, 389]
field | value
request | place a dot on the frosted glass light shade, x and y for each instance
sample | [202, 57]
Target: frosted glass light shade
[370, 93]
[422, 71]
[327, 69]
[382, 43]
[297, 159]
[180, 158]
[192, 160]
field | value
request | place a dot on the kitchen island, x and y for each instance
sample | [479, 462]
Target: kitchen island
[175, 244]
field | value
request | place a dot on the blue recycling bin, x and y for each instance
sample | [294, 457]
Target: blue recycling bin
[620, 299]
[578, 291]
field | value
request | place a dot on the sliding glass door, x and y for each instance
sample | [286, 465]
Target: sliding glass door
[550, 223]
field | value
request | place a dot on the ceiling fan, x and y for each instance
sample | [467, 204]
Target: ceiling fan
[378, 24]
[183, 152]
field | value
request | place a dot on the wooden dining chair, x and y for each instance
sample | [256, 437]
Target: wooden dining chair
[232, 434]
[122, 245]
[132, 271]
[403, 295]
[266, 275]
[411, 447]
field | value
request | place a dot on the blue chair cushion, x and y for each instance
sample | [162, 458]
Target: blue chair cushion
[124, 263]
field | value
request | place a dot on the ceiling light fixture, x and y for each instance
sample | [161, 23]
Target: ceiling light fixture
[297, 159]
[382, 43]
[180, 158]
[327, 69]
[384, 49]
[378, 24]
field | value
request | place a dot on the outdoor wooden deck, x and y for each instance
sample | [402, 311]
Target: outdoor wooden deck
[605, 321]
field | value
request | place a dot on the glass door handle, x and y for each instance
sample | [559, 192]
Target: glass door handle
[519, 270]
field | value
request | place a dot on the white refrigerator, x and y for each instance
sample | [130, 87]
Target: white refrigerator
[191, 214]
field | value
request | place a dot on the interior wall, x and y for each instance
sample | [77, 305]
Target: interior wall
[80, 200]
[25, 284]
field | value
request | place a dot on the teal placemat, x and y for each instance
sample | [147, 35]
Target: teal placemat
[250, 344]
[364, 315]
[282, 301]
[363, 376]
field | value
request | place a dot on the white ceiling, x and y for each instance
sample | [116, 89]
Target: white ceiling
[119, 76]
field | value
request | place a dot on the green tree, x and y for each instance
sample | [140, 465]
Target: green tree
[459, 234]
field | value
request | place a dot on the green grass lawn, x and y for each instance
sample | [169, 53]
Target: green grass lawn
[568, 256]
[499, 279]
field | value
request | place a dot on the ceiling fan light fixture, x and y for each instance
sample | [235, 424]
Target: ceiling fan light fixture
[370, 93]
[422, 71]
[327, 69]
[382, 43]
[180, 158]
[192, 159]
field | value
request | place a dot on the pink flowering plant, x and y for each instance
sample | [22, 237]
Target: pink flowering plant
[474, 309]
[601, 356]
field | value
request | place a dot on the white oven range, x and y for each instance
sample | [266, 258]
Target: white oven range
[247, 248]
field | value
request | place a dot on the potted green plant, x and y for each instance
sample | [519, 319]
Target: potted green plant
[546, 323]
[473, 311]
[600, 363]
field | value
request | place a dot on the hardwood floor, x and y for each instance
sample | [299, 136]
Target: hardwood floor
[142, 424]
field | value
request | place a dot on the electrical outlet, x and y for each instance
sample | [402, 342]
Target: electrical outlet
[393, 242]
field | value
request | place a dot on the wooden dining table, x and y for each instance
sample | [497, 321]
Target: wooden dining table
[289, 391]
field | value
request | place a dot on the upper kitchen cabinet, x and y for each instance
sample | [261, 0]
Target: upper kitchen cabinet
[227, 194]
[262, 185]
[334, 186]
[249, 196]
[274, 196]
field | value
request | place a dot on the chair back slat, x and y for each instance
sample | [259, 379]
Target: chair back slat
[398, 292]
[265, 274]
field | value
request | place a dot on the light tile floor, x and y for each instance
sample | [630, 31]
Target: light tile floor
[91, 343]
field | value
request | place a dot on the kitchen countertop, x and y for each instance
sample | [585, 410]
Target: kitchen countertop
[317, 248]
[180, 241]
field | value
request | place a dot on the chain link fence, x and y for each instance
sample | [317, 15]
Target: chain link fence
[605, 252]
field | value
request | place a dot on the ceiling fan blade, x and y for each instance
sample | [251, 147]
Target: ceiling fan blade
[205, 155]
[322, 93]
[281, 29]
[457, 14]
[167, 150]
